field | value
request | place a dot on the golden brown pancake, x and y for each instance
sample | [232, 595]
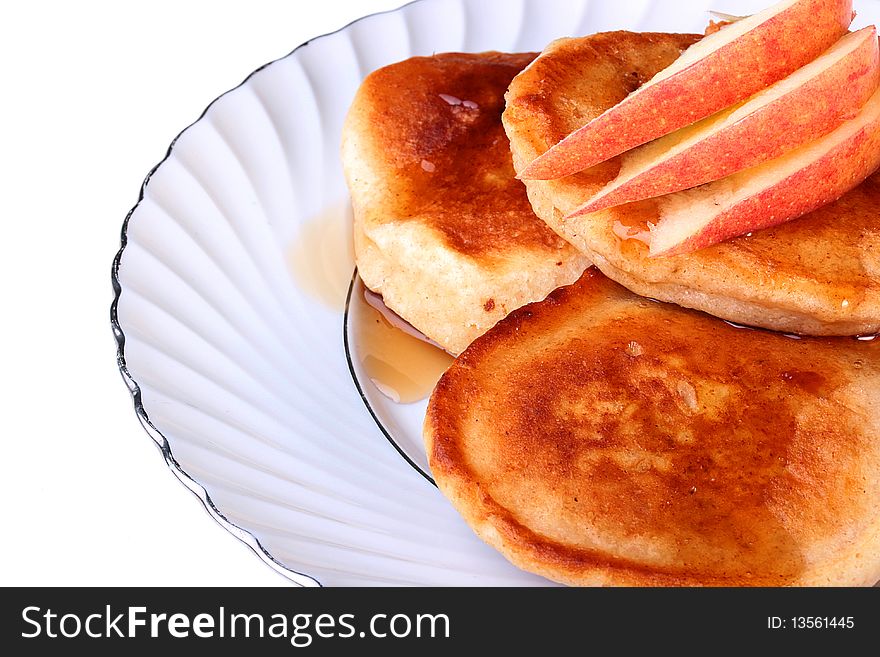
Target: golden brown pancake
[817, 275]
[443, 230]
[601, 438]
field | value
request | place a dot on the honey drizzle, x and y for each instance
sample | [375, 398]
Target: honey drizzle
[402, 367]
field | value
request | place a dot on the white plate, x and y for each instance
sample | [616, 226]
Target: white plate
[231, 283]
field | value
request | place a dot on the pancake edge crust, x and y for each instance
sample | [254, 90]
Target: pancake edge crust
[722, 302]
[526, 549]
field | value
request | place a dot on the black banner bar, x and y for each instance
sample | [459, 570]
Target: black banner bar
[334, 621]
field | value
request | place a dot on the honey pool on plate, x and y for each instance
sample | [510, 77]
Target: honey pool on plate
[404, 368]
[321, 256]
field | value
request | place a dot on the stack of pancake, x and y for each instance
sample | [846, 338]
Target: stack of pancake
[597, 436]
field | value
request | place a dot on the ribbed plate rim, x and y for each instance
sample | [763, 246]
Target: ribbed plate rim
[245, 536]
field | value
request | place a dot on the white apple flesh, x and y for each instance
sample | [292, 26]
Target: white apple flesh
[801, 108]
[772, 193]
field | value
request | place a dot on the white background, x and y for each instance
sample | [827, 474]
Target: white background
[93, 93]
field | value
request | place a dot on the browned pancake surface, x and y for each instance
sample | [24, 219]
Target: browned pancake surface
[819, 274]
[451, 162]
[602, 438]
[442, 228]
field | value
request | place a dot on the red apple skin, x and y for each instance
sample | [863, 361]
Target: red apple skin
[825, 180]
[801, 116]
[737, 70]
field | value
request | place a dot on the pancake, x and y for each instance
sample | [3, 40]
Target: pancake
[443, 230]
[817, 275]
[600, 438]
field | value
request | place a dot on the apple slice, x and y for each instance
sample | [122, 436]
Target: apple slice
[721, 69]
[806, 105]
[771, 193]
